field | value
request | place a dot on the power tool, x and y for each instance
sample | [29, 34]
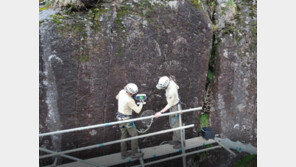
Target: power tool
[141, 98]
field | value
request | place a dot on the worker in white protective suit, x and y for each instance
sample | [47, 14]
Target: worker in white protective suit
[126, 104]
[173, 104]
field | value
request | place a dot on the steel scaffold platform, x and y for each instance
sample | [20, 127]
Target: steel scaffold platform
[150, 152]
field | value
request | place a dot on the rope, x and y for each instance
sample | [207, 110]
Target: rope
[148, 127]
[145, 113]
[119, 117]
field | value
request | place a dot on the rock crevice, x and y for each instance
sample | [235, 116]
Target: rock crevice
[232, 70]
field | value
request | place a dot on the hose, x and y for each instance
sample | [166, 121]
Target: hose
[148, 127]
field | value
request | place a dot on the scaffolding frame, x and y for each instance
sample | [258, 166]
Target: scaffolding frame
[181, 128]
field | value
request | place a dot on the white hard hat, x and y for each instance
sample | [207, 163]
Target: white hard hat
[131, 88]
[163, 82]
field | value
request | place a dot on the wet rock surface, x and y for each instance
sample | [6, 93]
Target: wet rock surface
[95, 53]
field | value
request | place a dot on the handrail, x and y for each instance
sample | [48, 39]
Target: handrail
[179, 156]
[115, 122]
[70, 157]
[116, 141]
[62, 153]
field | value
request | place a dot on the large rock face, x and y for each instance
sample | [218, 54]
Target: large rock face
[234, 112]
[88, 57]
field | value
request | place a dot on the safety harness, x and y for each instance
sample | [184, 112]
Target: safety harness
[176, 115]
[175, 120]
[121, 117]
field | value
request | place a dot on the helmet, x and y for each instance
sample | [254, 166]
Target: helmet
[163, 82]
[131, 88]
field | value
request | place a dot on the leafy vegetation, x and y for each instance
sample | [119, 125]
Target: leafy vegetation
[203, 120]
[231, 3]
[43, 8]
[248, 161]
[197, 4]
[47, 5]
[57, 18]
[212, 2]
[210, 75]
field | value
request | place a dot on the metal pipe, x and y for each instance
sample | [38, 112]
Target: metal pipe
[182, 141]
[55, 161]
[70, 157]
[179, 156]
[142, 162]
[115, 122]
[116, 141]
[225, 147]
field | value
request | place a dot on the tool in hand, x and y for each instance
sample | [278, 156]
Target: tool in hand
[141, 98]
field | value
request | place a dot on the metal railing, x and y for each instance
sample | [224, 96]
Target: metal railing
[116, 141]
[116, 122]
[181, 128]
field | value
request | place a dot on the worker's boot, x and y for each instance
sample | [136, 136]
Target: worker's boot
[124, 155]
[137, 155]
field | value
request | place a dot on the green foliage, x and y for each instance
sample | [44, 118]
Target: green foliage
[143, 8]
[94, 15]
[215, 27]
[40, 22]
[73, 28]
[47, 5]
[210, 75]
[57, 18]
[84, 58]
[196, 4]
[122, 12]
[247, 161]
[211, 2]
[203, 120]
[43, 8]
[120, 50]
[228, 30]
[96, 12]
[203, 155]
[231, 3]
